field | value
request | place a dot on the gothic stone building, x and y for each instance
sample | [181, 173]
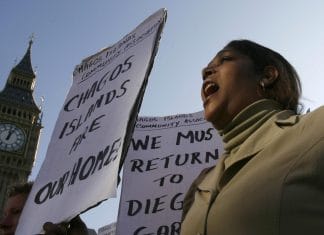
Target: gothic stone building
[20, 125]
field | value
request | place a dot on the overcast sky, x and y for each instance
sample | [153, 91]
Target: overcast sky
[68, 31]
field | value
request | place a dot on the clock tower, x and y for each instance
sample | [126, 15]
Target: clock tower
[20, 125]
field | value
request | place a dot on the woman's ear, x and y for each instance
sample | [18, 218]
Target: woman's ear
[270, 75]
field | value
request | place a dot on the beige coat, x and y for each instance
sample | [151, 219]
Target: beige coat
[274, 184]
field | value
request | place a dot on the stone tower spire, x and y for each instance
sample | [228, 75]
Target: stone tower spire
[20, 125]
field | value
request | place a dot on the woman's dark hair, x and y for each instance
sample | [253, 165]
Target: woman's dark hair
[20, 188]
[286, 89]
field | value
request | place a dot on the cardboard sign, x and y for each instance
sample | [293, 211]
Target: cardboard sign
[165, 156]
[109, 229]
[93, 129]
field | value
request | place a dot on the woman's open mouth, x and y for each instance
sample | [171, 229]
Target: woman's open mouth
[209, 88]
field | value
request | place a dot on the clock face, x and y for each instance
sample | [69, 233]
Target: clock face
[12, 138]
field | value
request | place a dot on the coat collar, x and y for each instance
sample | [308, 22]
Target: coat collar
[255, 143]
[247, 122]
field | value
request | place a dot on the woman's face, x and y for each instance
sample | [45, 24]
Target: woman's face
[230, 83]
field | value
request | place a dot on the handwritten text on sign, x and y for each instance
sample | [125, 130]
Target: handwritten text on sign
[165, 156]
[82, 161]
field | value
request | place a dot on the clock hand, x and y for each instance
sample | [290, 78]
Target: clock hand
[9, 134]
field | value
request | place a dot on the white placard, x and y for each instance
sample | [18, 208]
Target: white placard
[165, 155]
[109, 229]
[96, 121]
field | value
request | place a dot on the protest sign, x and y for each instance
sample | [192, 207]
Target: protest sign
[93, 129]
[109, 229]
[165, 156]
